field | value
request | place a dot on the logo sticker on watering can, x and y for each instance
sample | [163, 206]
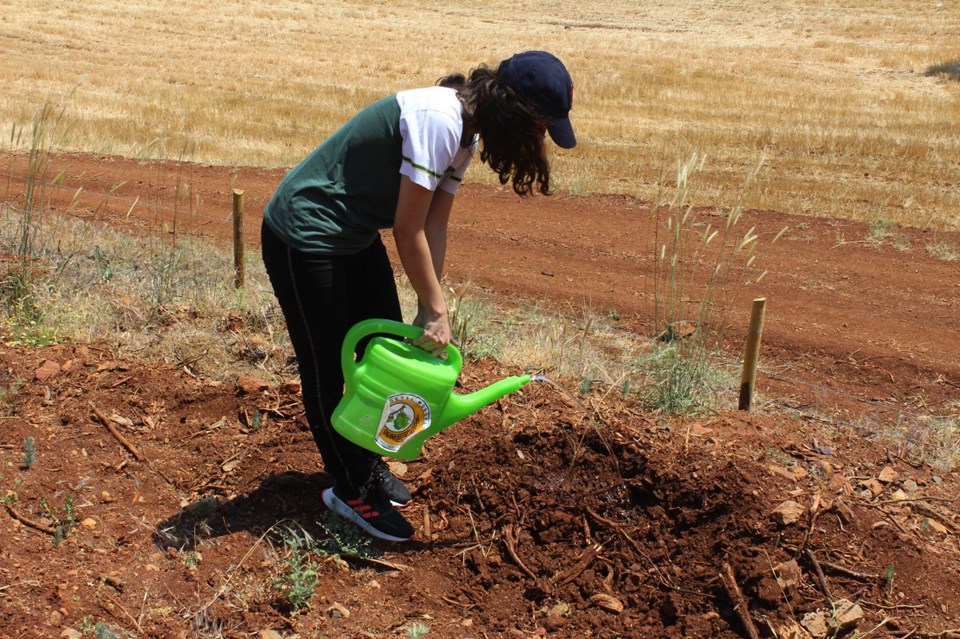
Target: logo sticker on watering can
[404, 415]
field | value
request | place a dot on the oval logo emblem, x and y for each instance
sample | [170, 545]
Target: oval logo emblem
[404, 415]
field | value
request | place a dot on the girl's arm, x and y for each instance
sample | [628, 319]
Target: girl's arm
[420, 233]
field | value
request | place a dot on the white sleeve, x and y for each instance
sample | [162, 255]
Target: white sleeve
[461, 162]
[431, 140]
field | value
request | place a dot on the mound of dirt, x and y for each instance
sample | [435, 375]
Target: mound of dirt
[155, 504]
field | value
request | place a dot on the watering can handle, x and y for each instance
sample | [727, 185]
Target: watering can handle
[384, 326]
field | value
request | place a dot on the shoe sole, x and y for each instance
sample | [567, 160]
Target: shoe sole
[337, 505]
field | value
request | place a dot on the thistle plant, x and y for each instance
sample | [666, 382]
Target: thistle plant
[299, 581]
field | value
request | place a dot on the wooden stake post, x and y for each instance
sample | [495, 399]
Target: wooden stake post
[238, 238]
[751, 354]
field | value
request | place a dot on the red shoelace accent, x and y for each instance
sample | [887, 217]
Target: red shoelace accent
[364, 510]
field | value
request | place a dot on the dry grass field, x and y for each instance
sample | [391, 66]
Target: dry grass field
[835, 98]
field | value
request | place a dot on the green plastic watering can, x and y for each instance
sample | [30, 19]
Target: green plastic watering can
[397, 394]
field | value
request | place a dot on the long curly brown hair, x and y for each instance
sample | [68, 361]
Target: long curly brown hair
[511, 130]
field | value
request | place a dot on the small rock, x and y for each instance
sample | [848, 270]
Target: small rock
[553, 622]
[790, 629]
[107, 497]
[873, 486]
[844, 512]
[769, 592]
[788, 574]
[843, 618]
[248, 385]
[120, 420]
[815, 623]
[338, 611]
[607, 602]
[269, 634]
[70, 633]
[936, 525]
[847, 615]
[467, 623]
[909, 486]
[822, 468]
[898, 495]
[887, 475]
[290, 388]
[205, 506]
[788, 512]
[89, 522]
[48, 370]
[55, 618]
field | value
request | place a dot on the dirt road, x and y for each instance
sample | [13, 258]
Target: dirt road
[850, 324]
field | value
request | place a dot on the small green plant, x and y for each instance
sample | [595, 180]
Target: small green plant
[343, 538]
[944, 251]
[85, 626]
[64, 521]
[417, 630]
[298, 583]
[256, 421]
[29, 452]
[880, 230]
[102, 261]
[9, 392]
[102, 631]
[682, 377]
[901, 242]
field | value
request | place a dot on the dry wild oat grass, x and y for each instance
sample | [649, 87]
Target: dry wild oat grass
[843, 98]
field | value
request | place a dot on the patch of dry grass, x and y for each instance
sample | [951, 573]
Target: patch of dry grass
[841, 97]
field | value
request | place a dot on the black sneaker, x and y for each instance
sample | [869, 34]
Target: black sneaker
[388, 485]
[371, 510]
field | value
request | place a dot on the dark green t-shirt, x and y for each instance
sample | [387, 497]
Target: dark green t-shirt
[337, 198]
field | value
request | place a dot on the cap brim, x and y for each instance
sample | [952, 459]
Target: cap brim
[561, 132]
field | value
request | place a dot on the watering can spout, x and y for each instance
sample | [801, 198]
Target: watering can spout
[460, 406]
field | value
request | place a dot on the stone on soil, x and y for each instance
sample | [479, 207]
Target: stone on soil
[47, 370]
[788, 512]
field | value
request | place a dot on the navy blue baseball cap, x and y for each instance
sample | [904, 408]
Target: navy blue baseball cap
[541, 79]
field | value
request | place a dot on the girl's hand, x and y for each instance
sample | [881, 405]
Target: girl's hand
[436, 332]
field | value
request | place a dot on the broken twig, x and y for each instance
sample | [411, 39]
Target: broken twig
[739, 602]
[113, 431]
[29, 522]
[510, 543]
[843, 570]
[821, 579]
[586, 558]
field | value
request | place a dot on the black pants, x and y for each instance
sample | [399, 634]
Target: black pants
[322, 297]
